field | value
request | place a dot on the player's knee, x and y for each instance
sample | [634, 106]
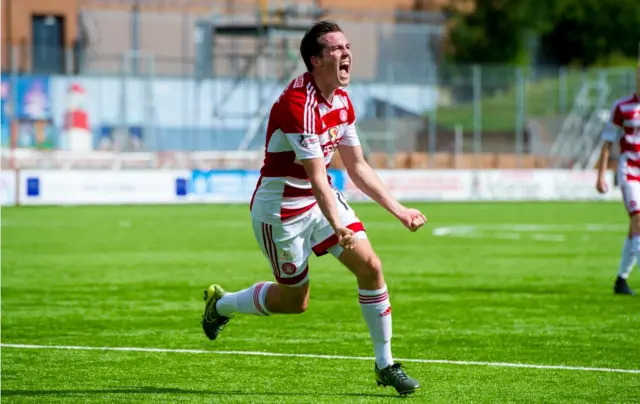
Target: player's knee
[635, 224]
[297, 305]
[300, 307]
[371, 269]
[295, 300]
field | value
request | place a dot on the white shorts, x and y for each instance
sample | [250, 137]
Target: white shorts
[289, 245]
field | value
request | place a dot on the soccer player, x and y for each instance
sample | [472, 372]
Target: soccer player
[296, 210]
[624, 127]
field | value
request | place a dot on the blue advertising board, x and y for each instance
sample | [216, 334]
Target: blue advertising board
[234, 185]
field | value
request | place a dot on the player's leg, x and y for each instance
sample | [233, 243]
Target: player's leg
[287, 249]
[631, 247]
[627, 257]
[375, 305]
[373, 296]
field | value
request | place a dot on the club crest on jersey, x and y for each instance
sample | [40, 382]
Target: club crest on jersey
[333, 133]
[343, 115]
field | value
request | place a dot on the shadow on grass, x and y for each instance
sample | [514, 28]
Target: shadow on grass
[161, 390]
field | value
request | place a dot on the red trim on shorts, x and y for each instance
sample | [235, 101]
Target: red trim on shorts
[635, 212]
[255, 191]
[293, 192]
[286, 214]
[292, 281]
[322, 247]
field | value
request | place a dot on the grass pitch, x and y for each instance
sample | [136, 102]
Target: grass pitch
[484, 288]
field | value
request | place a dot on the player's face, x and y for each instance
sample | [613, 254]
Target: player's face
[334, 64]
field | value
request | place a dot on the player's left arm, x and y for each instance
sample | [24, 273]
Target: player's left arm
[610, 134]
[366, 179]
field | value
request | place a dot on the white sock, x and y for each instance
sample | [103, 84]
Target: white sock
[376, 311]
[247, 301]
[627, 259]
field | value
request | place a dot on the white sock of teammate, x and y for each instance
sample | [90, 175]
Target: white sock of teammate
[627, 259]
[376, 311]
[247, 301]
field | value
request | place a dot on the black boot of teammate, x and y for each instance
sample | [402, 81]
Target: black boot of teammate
[621, 287]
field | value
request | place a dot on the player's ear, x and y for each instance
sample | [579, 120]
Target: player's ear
[315, 61]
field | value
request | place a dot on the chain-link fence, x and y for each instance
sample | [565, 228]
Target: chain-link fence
[170, 81]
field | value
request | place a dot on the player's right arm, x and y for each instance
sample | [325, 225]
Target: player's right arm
[299, 126]
[317, 173]
[610, 134]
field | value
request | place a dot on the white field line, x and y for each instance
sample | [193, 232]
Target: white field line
[313, 356]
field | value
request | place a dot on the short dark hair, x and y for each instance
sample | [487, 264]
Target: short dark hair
[310, 45]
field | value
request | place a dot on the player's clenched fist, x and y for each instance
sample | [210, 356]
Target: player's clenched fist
[601, 185]
[346, 238]
[412, 219]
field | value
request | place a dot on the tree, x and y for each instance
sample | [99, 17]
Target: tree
[571, 31]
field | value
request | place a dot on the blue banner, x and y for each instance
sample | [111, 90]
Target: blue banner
[235, 185]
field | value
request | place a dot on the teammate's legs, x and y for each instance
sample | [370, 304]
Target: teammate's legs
[631, 248]
[628, 257]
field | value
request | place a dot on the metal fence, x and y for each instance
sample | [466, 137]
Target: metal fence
[156, 97]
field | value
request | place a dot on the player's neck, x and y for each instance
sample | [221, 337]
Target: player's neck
[326, 90]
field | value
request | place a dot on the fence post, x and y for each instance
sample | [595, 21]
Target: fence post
[562, 89]
[458, 147]
[135, 35]
[477, 113]
[433, 117]
[389, 138]
[520, 115]
[69, 61]
[13, 96]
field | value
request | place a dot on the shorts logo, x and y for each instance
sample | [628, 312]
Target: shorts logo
[343, 115]
[633, 204]
[285, 255]
[289, 268]
[306, 142]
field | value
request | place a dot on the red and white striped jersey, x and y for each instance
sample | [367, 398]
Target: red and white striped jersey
[624, 126]
[302, 125]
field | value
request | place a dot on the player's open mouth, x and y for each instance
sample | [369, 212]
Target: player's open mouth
[344, 69]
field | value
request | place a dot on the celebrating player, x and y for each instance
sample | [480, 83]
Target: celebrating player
[624, 126]
[296, 210]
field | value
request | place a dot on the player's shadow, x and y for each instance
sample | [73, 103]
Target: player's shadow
[163, 390]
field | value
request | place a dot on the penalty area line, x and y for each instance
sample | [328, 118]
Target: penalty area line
[314, 356]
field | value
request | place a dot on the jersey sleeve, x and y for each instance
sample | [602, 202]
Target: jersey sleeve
[298, 124]
[350, 137]
[613, 128]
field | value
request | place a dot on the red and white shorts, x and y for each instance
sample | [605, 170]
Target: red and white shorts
[288, 245]
[631, 196]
